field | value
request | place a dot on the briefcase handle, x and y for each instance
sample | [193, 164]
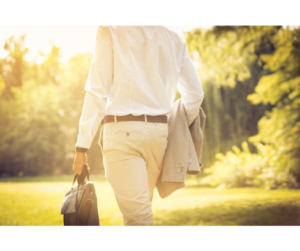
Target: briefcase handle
[80, 178]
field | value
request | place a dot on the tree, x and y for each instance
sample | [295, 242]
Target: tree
[272, 56]
[38, 127]
[14, 65]
[281, 88]
[229, 68]
[49, 72]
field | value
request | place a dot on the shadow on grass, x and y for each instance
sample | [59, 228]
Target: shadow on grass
[235, 213]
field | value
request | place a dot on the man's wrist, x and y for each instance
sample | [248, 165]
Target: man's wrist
[81, 149]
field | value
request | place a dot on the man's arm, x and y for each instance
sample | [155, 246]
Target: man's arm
[97, 89]
[190, 87]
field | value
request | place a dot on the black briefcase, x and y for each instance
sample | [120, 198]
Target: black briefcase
[79, 205]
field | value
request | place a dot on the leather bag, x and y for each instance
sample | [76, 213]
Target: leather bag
[79, 205]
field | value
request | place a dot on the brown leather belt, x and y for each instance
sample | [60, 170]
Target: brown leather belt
[130, 117]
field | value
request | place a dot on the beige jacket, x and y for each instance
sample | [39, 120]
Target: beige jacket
[183, 153]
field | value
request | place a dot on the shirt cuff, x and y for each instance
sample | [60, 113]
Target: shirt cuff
[82, 142]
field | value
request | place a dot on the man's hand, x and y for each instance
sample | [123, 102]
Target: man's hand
[79, 161]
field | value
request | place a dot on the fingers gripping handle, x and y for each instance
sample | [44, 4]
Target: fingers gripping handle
[80, 178]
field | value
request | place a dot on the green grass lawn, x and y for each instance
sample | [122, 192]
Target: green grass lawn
[37, 201]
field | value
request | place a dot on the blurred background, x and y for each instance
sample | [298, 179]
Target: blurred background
[251, 152]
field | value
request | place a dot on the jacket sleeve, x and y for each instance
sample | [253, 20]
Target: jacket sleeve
[97, 88]
[190, 87]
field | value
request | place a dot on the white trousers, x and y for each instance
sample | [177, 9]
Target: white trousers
[133, 154]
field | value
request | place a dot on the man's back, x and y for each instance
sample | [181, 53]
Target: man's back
[135, 70]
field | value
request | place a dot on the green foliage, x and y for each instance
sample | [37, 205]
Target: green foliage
[270, 57]
[281, 126]
[227, 53]
[33, 130]
[241, 168]
[39, 119]
[229, 70]
[12, 68]
[49, 72]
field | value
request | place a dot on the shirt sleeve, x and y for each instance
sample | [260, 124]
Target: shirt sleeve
[97, 88]
[190, 87]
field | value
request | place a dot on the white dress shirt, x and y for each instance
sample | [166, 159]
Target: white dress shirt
[136, 70]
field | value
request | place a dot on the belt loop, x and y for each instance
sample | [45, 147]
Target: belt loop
[115, 118]
[145, 118]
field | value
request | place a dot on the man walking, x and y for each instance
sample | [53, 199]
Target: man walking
[130, 89]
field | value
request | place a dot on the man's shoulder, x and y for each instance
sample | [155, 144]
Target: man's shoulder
[177, 36]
